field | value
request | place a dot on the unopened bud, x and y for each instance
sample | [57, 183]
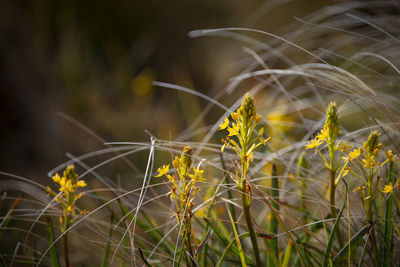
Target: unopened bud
[372, 143]
[247, 109]
[186, 157]
[332, 123]
[70, 173]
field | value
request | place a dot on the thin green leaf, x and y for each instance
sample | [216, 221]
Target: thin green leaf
[286, 257]
[108, 246]
[226, 242]
[354, 243]
[284, 228]
[228, 192]
[151, 229]
[55, 260]
[332, 234]
[273, 255]
[239, 245]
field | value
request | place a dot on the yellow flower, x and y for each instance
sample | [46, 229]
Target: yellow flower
[234, 130]
[390, 156]
[69, 208]
[66, 186]
[388, 188]
[344, 147]
[224, 125]
[197, 175]
[313, 143]
[354, 154]
[80, 183]
[369, 162]
[235, 116]
[322, 135]
[162, 170]
[56, 178]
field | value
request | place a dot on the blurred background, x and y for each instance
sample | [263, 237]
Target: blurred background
[64, 63]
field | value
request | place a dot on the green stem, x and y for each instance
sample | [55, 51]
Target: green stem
[333, 207]
[370, 218]
[332, 169]
[247, 215]
[65, 241]
[187, 240]
[273, 256]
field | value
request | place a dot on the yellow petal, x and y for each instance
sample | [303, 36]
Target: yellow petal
[162, 170]
[80, 183]
[388, 188]
[313, 143]
[56, 178]
[224, 124]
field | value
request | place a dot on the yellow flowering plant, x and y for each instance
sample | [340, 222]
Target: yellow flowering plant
[366, 159]
[67, 197]
[328, 135]
[183, 191]
[245, 120]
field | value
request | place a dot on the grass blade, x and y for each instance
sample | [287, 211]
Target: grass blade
[354, 243]
[7, 219]
[55, 260]
[228, 192]
[151, 229]
[239, 245]
[108, 246]
[286, 257]
[226, 242]
[332, 234]
[273, 255]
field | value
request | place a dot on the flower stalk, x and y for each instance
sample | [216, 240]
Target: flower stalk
[329, 134]
[245, 119]
[183, 190]
[67, 197]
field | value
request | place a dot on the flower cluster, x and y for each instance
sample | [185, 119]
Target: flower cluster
[367, 155]
[183, 183]
[369, 152]
[245, 119]
[330, 131]
[68, 184]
